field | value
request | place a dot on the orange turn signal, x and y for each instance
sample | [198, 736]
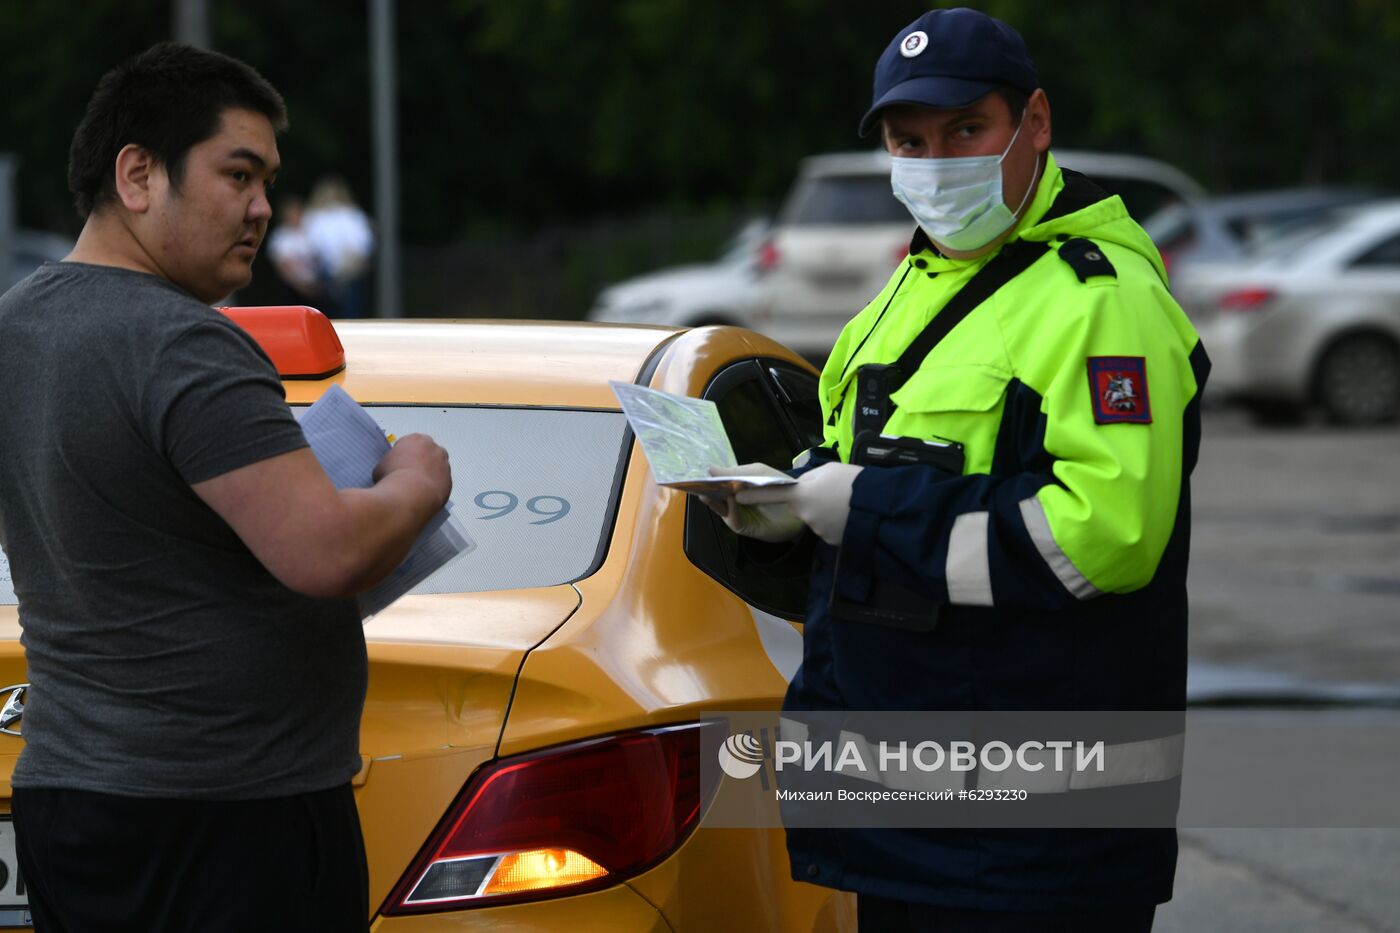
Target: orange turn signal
[542, 868]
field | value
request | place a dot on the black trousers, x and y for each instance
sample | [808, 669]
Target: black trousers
[881, 915]
[97, 863]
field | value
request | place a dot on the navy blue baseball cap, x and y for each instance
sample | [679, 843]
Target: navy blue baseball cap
[949, 58]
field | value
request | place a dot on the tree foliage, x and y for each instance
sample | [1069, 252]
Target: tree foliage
[528, 112]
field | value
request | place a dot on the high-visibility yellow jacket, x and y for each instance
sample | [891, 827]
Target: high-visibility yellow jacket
[1057, 561]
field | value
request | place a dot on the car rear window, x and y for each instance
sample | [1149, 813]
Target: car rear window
[533, 487]
[1285, 250]
[1260, 231]
[844, 199]
[1170, 226]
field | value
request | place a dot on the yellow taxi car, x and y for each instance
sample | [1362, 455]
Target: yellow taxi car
[531, 739]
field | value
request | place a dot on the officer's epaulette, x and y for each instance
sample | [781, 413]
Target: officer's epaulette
[1086, 259]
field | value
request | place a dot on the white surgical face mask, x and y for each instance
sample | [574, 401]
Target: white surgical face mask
[958, 202]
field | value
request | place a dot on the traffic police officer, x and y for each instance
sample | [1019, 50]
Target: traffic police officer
[1002, 497]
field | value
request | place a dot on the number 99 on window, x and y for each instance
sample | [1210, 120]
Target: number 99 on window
[498, 503]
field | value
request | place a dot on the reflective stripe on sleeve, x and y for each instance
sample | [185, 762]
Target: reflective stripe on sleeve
[1033, 514]
[1136, 763]
[968, 569]
[1142, 762]
[1034, 770]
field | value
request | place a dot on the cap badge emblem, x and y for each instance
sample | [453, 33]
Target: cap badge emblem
[913, 44]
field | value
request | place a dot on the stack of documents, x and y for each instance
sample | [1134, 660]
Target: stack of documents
[349, 444]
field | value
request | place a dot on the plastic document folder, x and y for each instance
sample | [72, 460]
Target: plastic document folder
[683, 437]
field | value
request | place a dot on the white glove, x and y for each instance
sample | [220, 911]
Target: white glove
[764, 522]
[821, 499]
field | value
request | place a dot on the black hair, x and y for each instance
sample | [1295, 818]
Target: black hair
[1016, 100]
[166, 100]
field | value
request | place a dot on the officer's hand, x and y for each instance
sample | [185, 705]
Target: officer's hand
[420, 453]
[821, 499]
[763, 522]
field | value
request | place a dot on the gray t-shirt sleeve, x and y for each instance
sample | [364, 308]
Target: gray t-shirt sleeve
[219, 404]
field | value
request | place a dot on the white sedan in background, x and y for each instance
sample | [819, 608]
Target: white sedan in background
[720, 292]
[1313, 320]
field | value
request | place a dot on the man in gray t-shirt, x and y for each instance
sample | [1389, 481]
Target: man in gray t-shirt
[184, 567]
[248, 688]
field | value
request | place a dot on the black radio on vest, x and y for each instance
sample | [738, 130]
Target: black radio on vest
[875, 383]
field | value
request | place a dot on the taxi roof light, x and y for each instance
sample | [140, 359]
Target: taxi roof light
[562, 821]
[301, 341]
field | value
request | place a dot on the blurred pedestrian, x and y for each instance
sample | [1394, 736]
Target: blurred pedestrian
[343, 240]
[1001, 504]
[294, 258]
[184, 566]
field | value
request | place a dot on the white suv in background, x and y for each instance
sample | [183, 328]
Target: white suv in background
[841, 233]
[839, 236]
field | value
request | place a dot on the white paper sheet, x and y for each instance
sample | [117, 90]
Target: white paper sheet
[348, 443]
[7, 585]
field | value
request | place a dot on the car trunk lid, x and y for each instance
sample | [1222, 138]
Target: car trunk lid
[441, 675]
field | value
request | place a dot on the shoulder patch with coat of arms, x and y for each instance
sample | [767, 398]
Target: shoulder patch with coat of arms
[1118, 388]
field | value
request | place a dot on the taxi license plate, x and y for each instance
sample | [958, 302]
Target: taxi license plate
[14, 901]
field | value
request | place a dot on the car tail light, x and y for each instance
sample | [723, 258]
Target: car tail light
[1247, 299]
[901, 252]
[768, 256]
[561, 821]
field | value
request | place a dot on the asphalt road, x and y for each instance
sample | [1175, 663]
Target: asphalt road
[1285, 881]
[1295, 588]
[1295, 551]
